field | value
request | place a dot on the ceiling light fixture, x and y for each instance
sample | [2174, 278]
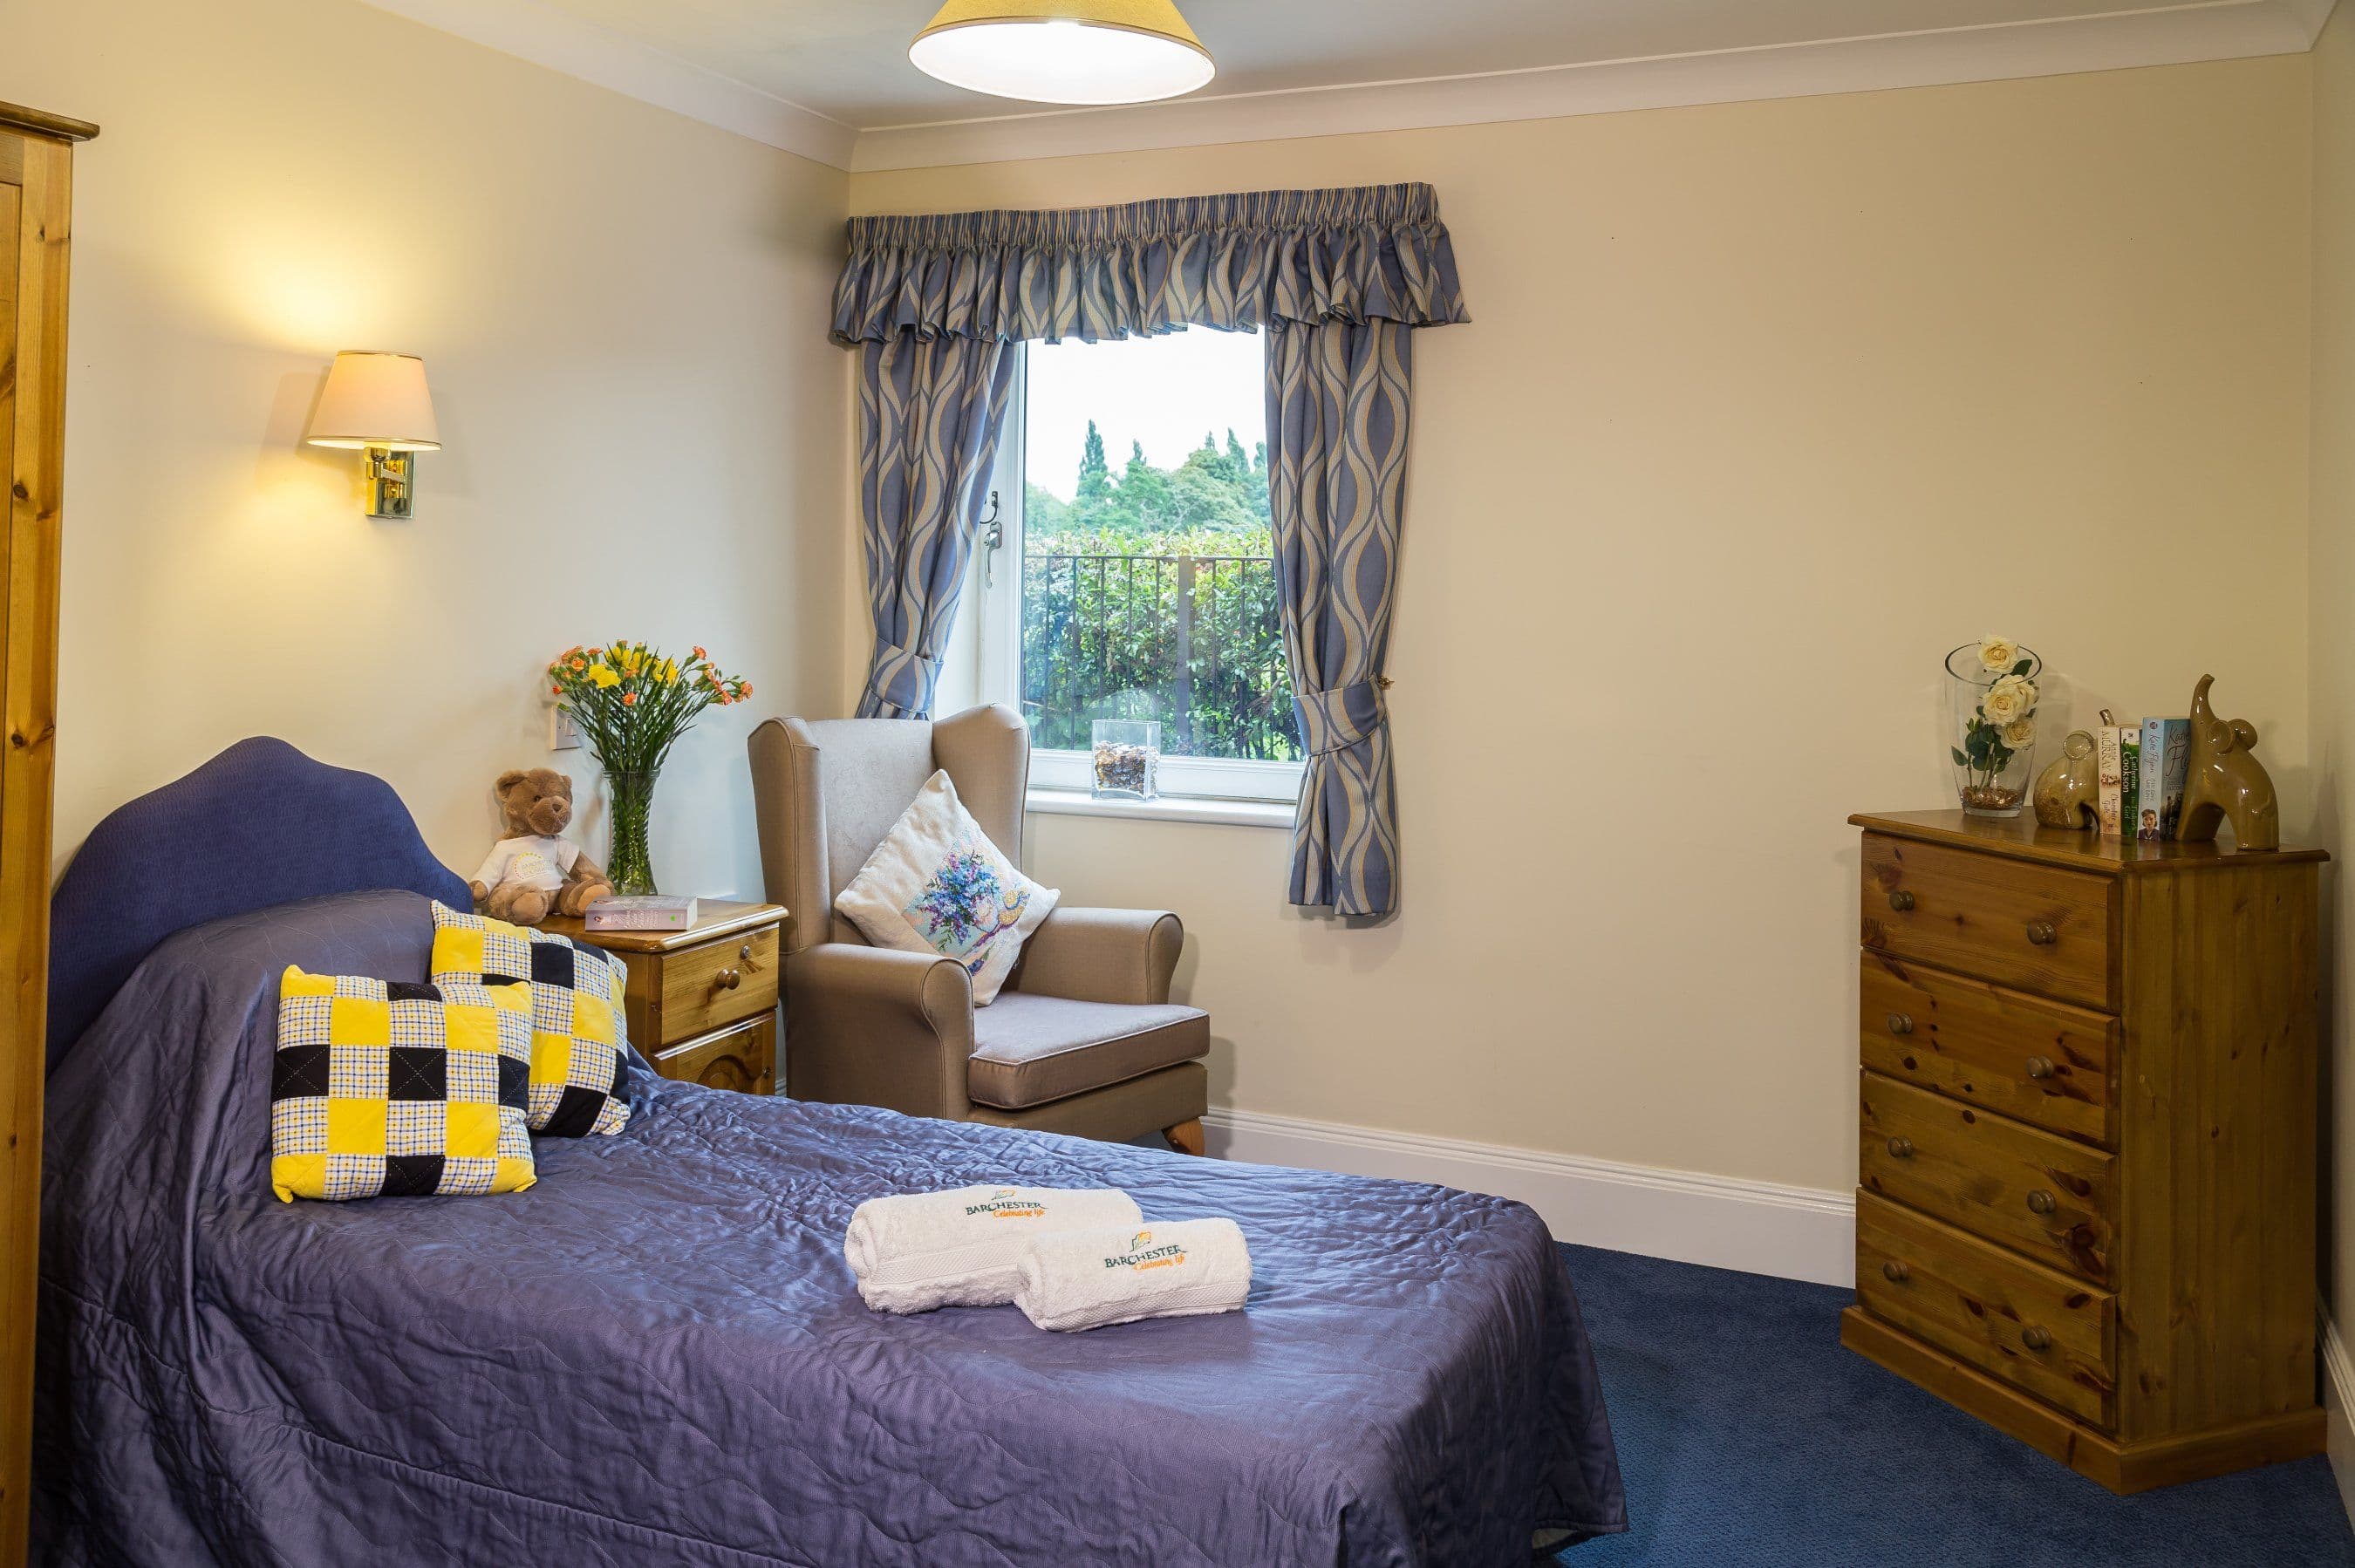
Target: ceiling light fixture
[1064, 51]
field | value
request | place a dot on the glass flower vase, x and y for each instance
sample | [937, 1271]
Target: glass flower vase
[1992, 729]
[1126, 755]
[632, 869]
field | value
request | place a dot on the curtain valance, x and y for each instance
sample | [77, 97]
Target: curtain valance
[1238, 261]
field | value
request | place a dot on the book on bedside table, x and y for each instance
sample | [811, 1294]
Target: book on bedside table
[646, 911]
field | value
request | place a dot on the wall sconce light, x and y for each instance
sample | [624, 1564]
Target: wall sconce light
[378, 403]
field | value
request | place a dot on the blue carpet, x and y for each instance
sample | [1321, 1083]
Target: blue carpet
[1748, 1437]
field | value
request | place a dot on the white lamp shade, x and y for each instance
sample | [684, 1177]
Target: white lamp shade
[376, 399]
[1064, 51]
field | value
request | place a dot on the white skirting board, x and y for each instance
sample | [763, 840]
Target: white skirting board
[1759, 1227]
[2338, 1404]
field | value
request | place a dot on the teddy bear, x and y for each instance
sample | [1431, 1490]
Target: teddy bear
[533, 870]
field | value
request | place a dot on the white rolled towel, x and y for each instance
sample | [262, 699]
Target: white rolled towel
[1091, 1279]
[916, 1251]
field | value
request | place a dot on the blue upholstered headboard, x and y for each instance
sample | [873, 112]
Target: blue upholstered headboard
[261, 824]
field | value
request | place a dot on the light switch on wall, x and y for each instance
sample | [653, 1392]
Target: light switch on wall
[563, 732]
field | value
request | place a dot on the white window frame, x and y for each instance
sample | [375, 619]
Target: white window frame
[995, 597]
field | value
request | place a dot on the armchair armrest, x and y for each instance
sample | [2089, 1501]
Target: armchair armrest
[1103, 955]
[867, 1026]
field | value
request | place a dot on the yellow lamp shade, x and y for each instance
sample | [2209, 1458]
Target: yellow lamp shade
[376, 399]
[1064, 51]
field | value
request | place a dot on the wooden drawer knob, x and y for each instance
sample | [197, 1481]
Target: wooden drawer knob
[2040, 933]
[726, 979]
[2039, 1066]
[2039, 1203]
[1898, 1023]
[1902, 901]
[1900, 1148]
[1895, 1272]
[2035, 1339]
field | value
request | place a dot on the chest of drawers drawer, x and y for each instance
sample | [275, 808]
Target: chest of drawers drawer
[2048, 1198]
[2050, 1065]
[2024, 926]
[2036, 1329]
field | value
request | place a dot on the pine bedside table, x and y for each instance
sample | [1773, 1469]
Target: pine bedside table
[701, 1003]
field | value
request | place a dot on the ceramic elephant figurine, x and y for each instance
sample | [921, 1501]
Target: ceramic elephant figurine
[2226, 779]
[2068, 792]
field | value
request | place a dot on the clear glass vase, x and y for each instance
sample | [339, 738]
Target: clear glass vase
[632, 869]
[1126, 758]
[1993, 751]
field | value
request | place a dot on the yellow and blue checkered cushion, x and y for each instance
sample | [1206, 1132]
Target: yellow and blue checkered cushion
[398, 1090]
[579, 1035]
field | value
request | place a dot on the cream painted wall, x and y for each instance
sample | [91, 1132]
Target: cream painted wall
[2331, 609]
[622, 312]
[1763, 409]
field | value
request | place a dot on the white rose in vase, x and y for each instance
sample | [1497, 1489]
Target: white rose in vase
[1998, 653]
[2012, 698]
[2020, 733]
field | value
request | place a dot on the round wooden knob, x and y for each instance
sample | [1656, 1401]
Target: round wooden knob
[1902, 901]
[2040, 933]
[2035, 1339]
[1895, 1272]
[727, 980]
[1900, 1148]
[1900, 1024]
[2039, 1066]
[2040, 1201]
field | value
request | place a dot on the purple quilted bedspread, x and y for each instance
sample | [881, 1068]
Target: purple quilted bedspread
[656, 1355]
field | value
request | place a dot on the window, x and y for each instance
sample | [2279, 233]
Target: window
[1132, 574]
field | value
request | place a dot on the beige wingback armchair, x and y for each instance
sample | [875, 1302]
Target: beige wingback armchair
[1083, 1038]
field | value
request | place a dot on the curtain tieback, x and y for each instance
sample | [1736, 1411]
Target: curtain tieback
[1343, 717]
[903, 677]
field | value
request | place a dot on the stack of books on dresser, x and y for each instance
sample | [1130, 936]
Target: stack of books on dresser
[2142, 766]
[647, 912]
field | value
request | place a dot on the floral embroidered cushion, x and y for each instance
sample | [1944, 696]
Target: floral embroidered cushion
[937, 884]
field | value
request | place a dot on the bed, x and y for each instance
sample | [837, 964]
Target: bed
[656, 1354]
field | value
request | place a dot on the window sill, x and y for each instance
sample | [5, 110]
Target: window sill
[1168, 809]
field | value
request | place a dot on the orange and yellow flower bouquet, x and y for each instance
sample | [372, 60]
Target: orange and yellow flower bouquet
[633, 702]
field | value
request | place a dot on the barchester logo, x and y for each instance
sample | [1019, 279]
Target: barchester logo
[1142, 1254]
[1003, 1204]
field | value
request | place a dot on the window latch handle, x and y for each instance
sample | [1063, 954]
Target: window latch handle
[993, 539]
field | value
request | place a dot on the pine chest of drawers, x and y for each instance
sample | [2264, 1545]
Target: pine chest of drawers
[2085, 1204]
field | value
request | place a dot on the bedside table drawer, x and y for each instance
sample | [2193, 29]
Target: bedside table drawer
[2027, 926]
[2044, 1062]
[2050, 1199]
[2043, 1333]
[743, 1058]
[718, 983]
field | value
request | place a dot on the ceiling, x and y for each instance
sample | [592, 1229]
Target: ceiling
[848, 60]
[829, 80]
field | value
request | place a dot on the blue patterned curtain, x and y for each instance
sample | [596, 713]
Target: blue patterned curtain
[1335, 277]
[1337, 424]
[1371, 252]
[929, 414]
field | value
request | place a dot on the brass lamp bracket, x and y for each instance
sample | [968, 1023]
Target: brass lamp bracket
[390, 479]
